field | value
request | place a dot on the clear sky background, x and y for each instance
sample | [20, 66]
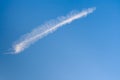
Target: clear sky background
[86, 49]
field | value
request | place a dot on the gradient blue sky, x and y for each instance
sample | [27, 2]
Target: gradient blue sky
[86, 49]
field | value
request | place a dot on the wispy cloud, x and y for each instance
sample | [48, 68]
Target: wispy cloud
[47, 28]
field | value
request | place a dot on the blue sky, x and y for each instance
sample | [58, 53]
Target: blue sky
[86, 49]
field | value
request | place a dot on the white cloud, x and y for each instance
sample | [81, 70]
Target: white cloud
[47, 28]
